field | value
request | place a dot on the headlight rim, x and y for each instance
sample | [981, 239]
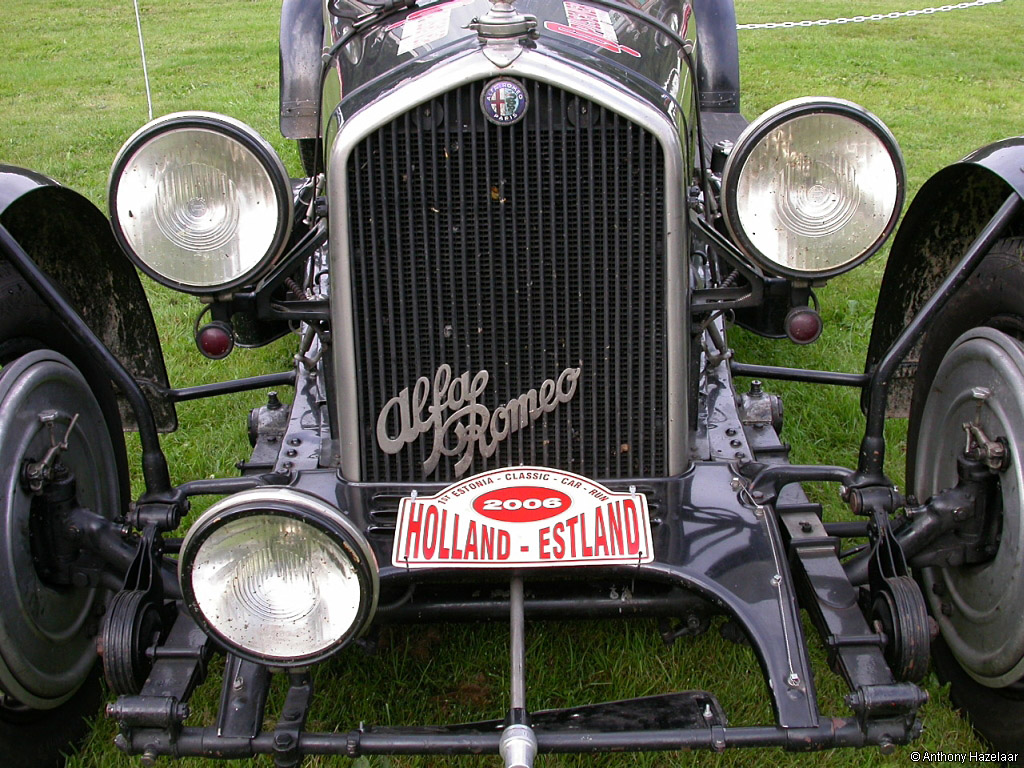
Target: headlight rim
[308, 510]
[252, 141]
[751, 138]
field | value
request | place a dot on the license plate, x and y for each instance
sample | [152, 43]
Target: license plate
[523, 517]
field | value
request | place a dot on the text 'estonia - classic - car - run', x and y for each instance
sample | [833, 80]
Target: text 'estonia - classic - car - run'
[523, 233]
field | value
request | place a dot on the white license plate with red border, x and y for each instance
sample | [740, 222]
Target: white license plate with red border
[523, 517]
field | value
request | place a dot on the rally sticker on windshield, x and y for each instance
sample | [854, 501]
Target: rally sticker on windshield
[426, 25]
[592, 25]
[523, 517]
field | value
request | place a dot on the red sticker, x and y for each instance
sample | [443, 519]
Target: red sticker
[522, 504]
[592, 25]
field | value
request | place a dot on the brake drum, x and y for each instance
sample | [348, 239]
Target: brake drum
[979, 608]
[47, 633]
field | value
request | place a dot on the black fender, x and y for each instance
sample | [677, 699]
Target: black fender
[300, 49]
[718, 57]
[945, 217]
[70, 239]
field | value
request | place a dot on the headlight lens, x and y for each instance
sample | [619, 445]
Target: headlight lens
[278, 576]
[200, 201]
[813, 187]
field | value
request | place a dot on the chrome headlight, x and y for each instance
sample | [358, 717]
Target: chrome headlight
[278, 576]
[813, 188]
[201, 202]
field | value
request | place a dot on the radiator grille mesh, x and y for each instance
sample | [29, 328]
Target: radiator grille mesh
[521, 250]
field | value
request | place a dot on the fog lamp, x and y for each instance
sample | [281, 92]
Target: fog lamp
[278, 576]
[813, 188]
[200, 202]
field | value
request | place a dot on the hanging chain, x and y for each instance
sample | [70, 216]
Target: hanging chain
[872, 17]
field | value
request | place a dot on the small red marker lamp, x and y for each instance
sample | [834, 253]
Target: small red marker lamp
[215, 340]
[803, 325]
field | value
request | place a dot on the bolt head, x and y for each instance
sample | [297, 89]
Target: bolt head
[283, 740]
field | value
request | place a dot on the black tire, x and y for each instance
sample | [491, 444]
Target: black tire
[992, 297]
[39, 738]
[307, 154]
[30, 738]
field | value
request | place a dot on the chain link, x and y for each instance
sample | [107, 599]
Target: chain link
[872, 17]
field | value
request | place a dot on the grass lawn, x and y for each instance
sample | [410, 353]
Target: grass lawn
[71, 91]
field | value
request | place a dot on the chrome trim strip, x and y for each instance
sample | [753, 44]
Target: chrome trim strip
[457, 72]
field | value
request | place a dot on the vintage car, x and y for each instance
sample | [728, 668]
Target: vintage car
[524, 231]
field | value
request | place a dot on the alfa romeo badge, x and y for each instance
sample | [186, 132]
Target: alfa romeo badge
[504, 101]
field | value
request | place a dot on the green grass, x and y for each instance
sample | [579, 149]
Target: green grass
[71, 91]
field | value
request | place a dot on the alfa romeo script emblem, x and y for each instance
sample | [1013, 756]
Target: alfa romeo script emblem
[504, 101]
[449, 407]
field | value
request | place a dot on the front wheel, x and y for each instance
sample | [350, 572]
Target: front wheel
[49, 617]
[971, 371]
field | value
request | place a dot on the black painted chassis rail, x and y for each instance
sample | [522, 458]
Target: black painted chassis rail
[199, 742]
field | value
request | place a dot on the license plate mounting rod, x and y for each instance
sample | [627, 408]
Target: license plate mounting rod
[518, 744]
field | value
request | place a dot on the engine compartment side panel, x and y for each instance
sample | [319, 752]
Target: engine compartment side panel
[302, 36]
[718, 57]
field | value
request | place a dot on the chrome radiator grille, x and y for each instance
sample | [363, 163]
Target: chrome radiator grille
[521, 250]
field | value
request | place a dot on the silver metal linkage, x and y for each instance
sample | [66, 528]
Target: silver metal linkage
[518, 745]
[517, 621]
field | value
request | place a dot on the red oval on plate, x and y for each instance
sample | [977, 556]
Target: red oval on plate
[522, 504]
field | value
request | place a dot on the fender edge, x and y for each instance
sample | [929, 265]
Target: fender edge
[946, 215]
[70, 239]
